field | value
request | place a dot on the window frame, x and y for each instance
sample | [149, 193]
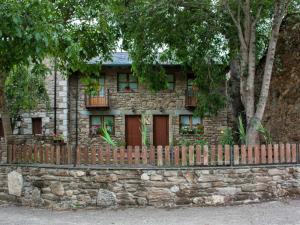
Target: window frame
[40, 120]
[128, 82]
[190, 76]
[102, 118]
[191, 126]
[173, 82]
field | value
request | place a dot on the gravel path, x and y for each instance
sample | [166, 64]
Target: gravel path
[271, 213]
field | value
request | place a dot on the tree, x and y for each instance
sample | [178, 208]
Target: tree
[205, 38]
[68, 32]
[246, 18]
[26, 33]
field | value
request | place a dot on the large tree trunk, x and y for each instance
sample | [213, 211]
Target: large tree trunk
[4, 109]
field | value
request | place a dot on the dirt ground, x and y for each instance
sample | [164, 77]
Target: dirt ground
[271, 213]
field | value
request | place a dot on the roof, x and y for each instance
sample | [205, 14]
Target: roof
[121, 59]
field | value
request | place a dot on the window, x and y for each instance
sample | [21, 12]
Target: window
[101, 86]
[171, 82]
[127, 82]
[37, 126]
[191, 125]
[190, 81]
[97, 122]
[1, 129]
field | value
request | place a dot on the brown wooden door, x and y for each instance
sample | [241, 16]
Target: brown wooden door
[132, 131]
[161, 130]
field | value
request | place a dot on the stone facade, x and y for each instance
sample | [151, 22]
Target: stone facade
[71, 188]
[144, 103]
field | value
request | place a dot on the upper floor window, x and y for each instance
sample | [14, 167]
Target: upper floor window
[1, 129]
[37, 127]
[97, 122]
[190, 81]
[171, 82]
[127, 82]
[190, 124]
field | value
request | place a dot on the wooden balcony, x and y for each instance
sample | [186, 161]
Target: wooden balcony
[97, 102]
[190, 99]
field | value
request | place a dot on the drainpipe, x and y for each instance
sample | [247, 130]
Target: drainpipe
[55, 89]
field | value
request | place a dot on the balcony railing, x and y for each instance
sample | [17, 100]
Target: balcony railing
[190, 99]
[100, 101]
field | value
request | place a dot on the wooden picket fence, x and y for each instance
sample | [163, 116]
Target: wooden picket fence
[176, 156]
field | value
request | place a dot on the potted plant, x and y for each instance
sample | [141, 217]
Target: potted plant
[58, 138]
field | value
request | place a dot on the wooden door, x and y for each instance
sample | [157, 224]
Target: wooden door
[133, 131]
[161, 130]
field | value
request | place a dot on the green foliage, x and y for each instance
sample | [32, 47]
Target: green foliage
[188, 36]
[107, 137]
[25, 89]
[226, 137]
[242, 131]
[197, 140]
[265, 134]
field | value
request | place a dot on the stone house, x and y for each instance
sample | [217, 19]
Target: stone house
[123, 105]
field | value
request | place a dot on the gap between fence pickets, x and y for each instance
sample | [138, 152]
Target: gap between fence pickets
[213, 155]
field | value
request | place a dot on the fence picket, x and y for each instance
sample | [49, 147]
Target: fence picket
[256, 154]
[122, 155]
[263, 154]
[152, 155]
[213, 155]
[294, 153]
[276, 153]
[227, 155]
[129, 155]
[288, 153]
[282, 153]
[198, 155]
[167, 156]
[191, 155]
[144, 155]
[78, 155]
[243, 155]
[93, 156]
[250, 154]
[137, 155]
[176, 155]
[107, 154]
[159, 156]
[183, 156]
[57, 147]
[236, 152]
[100, 155]
[205, 155]
[220, 155]
[270, 154]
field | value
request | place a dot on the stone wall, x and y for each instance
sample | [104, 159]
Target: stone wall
[65, 188]
[145, 103]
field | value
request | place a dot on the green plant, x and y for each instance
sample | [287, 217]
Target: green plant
[264, 133]
[242, 131]
[144, 132]
[226, 137]
[106, 137]
[199, 140]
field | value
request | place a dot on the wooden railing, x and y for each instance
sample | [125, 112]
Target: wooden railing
[190, 98]
[98, 101]
[214, 155]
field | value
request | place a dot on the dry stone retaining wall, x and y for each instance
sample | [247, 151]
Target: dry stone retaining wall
[82, 188]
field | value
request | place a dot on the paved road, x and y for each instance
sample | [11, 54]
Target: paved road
[272, 213]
